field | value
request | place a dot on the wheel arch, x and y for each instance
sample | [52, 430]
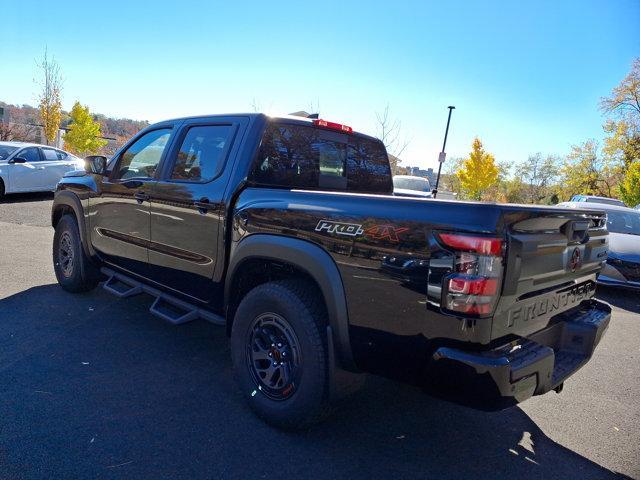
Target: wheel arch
[66, 202]
[302, 256]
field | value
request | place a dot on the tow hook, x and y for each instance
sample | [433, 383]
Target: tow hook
[559, 388]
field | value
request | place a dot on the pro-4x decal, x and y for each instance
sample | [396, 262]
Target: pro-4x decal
[375, 232]
[381, 232]
[339, 228]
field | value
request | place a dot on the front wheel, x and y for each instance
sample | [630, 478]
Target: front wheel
[279, 353]
[74, 270]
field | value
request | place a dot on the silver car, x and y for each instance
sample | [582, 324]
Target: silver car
[623, 262]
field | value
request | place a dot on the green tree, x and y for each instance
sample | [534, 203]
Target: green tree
[49, 101]
[83, 137]
[479, 171]
[538, 175]
[630, 186]
[623, 142]
[586, 171]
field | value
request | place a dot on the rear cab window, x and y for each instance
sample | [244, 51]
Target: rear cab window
[310, 157]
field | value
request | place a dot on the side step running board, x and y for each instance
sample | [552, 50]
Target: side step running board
[165, 306]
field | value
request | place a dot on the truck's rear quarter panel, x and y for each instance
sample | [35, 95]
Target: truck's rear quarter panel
[394, 310]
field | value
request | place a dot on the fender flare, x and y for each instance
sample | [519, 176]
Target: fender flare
[318, 264]
[69, 199]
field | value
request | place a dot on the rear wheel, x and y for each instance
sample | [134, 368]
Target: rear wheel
[279, 353]
[73, 269]
[2, 190]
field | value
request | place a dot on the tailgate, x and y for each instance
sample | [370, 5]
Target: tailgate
[552, 262]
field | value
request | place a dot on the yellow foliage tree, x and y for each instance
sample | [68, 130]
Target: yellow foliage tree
[49, 102]
[630, 186]
[83, 137]
[478, 172]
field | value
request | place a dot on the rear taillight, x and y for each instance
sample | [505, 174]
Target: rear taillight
[474, 285]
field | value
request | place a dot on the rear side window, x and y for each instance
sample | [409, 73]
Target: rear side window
[52, 154]
[201, 153]
[298, 156]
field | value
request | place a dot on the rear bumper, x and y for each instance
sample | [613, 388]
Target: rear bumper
[505, 376]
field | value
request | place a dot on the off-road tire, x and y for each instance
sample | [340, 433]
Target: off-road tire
[300, 305]
[74, 270]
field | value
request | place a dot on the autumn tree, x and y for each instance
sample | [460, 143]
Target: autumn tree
[538, 176]
[479, 171]
[630, 186]
[586, 171]
[49, 101]
[16, 132]
[389, 131]
[83, 137]
[623, 105]
[449, 180]
[624, 100]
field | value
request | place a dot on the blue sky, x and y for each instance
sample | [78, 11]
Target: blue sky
[524, 77]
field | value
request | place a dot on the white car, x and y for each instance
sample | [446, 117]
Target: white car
[410, 186]
[29, 167]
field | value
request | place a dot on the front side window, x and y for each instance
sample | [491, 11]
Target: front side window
[298, 156]
[30, 154]
[141, 159]
[202, 153]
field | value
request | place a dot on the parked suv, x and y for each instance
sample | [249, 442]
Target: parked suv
[285, 231]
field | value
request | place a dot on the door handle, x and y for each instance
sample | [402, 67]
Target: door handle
[202, 205]
[141, 197]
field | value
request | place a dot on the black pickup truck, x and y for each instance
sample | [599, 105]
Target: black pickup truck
[285, 230]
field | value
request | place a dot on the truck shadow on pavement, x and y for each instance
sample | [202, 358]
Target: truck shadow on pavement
[94, 386]
[26, 197]
[626, 299]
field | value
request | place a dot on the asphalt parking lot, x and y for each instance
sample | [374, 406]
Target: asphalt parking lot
[95, 387]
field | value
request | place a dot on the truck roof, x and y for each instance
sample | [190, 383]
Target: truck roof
[290, 119]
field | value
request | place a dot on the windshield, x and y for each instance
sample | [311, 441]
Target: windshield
[623, 222]
[417, 184]
[6, 150]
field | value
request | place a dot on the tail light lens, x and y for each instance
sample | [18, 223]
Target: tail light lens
[332, 125]
[473, 287]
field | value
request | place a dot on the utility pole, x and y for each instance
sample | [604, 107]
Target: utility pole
[443, 155]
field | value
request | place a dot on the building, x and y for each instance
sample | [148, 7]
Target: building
[418, 172]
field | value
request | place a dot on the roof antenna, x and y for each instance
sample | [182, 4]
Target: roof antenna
[443, 155]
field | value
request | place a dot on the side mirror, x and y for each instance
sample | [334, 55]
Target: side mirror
[96, 164]
[18, 160]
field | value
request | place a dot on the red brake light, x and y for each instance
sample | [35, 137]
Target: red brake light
[482, 245]
[332, 125]
[472, 287]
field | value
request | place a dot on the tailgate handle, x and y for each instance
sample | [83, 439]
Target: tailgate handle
[577, 231]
